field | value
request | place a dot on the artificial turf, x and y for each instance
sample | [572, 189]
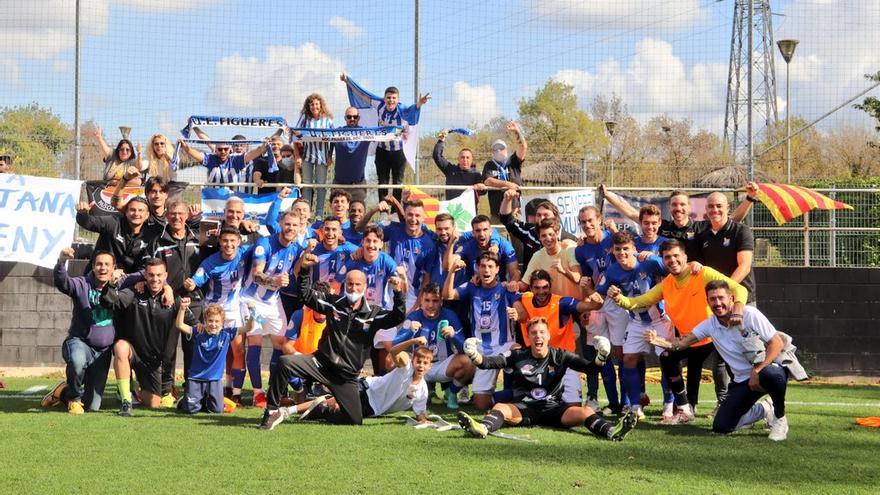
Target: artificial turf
[166, 452]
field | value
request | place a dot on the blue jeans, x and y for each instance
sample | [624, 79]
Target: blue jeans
[87, 370]
[315, 173]
[740, 398]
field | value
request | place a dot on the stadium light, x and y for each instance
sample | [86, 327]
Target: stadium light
[786, 47]
[609, 127]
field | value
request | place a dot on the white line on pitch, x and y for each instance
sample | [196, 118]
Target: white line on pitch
[833, 404]
[34, 390]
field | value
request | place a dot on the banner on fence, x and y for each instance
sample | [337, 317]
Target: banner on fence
[569, 204]
[255, 205]
[38, 218]
[98, 192]
[698, 209]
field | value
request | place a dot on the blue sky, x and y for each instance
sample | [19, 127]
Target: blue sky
[149, 64]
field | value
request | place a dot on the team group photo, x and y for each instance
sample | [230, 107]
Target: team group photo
[517, 246]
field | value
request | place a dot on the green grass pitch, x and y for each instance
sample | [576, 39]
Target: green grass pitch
[166, 452]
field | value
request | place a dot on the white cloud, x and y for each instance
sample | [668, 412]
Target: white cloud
[44, 28]
[279, 82]
[655, 81]
[467, 105]
[347, 28]
[642, 15]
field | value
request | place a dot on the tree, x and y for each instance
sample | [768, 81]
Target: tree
[871, 104]
[850, 149]
[806, 154]
[36, 138]
[685, 155]
[556, 127]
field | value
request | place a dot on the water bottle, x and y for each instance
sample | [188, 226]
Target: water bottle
[440, 326]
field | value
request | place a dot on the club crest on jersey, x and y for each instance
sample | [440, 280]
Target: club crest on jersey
[643, 275]
[497, 296]
[690, 236]
[527, 369]
[538, 393]
[726, 242]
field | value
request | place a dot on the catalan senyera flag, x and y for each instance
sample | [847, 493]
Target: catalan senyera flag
[786, 201]
[432, 204]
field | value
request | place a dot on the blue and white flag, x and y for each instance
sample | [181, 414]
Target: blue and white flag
[255, 205]
[345, 134]
[462, 130]
[362, 99]
[273, 122]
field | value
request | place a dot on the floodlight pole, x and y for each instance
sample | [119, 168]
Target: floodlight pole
[416, 83]
[609, 127]
[786, 47]
[77, 143]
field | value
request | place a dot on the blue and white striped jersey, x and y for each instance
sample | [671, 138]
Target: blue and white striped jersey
[330, 262]
[400, 116]
[223, 279]
[278, 259]
[634, 283]
[488, 308]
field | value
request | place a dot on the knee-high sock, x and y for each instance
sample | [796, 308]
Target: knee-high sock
[643, 369]
[676, 386]
[592, 385]
[752, 415]
[609, 381]
[493, 420]
[455, 386]
[253, 366]
[598, 426]
[629, 379]
[272, 361]
[237, 380]
[624, 393]
[124, 387]
[667, 392]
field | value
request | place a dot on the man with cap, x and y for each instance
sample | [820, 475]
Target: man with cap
[504, 170]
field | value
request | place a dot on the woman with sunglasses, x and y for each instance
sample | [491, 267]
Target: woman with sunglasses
[159, 156]
[117, 161]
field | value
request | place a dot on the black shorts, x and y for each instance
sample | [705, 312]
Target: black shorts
[542, 415]
[149, 376]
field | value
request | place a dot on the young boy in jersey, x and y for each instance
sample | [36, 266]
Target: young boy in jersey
[633, 278]
[211, 341]
[444, 341]
[221, 275]
[378, 268]
[537, 378]
[399, 390]
[491, 311]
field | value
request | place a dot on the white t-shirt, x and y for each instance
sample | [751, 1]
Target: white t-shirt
[728, 341]
[395, 392]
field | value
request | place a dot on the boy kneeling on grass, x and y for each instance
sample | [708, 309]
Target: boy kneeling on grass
[211, 340]
[401, 389]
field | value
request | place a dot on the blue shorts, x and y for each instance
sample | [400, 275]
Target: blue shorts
[202, 395]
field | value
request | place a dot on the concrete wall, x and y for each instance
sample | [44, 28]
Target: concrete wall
[832, 313]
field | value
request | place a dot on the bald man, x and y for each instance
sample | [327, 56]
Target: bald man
[727, 246]
[344, 347]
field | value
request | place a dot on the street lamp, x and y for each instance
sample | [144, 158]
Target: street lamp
[786, 47]
[609, 127]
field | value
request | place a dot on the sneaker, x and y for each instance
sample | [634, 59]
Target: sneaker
[594, 405]
[464, 396]
[315, 403]
[271, 419]
[125, 409]
[75, 407]
[639, 412]
[769, 417]
[53, 398]
[167, 401]
[603, 349]
[644, 400]
[472, 426]
[228, 406]
[611, 411]
[259, 399]
[668, 411]
[626, 423]
[779, 429]
[686, 414]
[451, 400]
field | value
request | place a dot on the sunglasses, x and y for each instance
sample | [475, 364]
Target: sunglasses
[159, 144]
[124, 149]
[352, 117]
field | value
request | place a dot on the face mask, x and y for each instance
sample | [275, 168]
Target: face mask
[353, 297]
[287, 162]
[499, 156]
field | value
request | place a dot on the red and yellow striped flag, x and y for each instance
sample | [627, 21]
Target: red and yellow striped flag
[432, 204]
[786, 201]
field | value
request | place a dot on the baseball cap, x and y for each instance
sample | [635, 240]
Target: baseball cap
[499, 144]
